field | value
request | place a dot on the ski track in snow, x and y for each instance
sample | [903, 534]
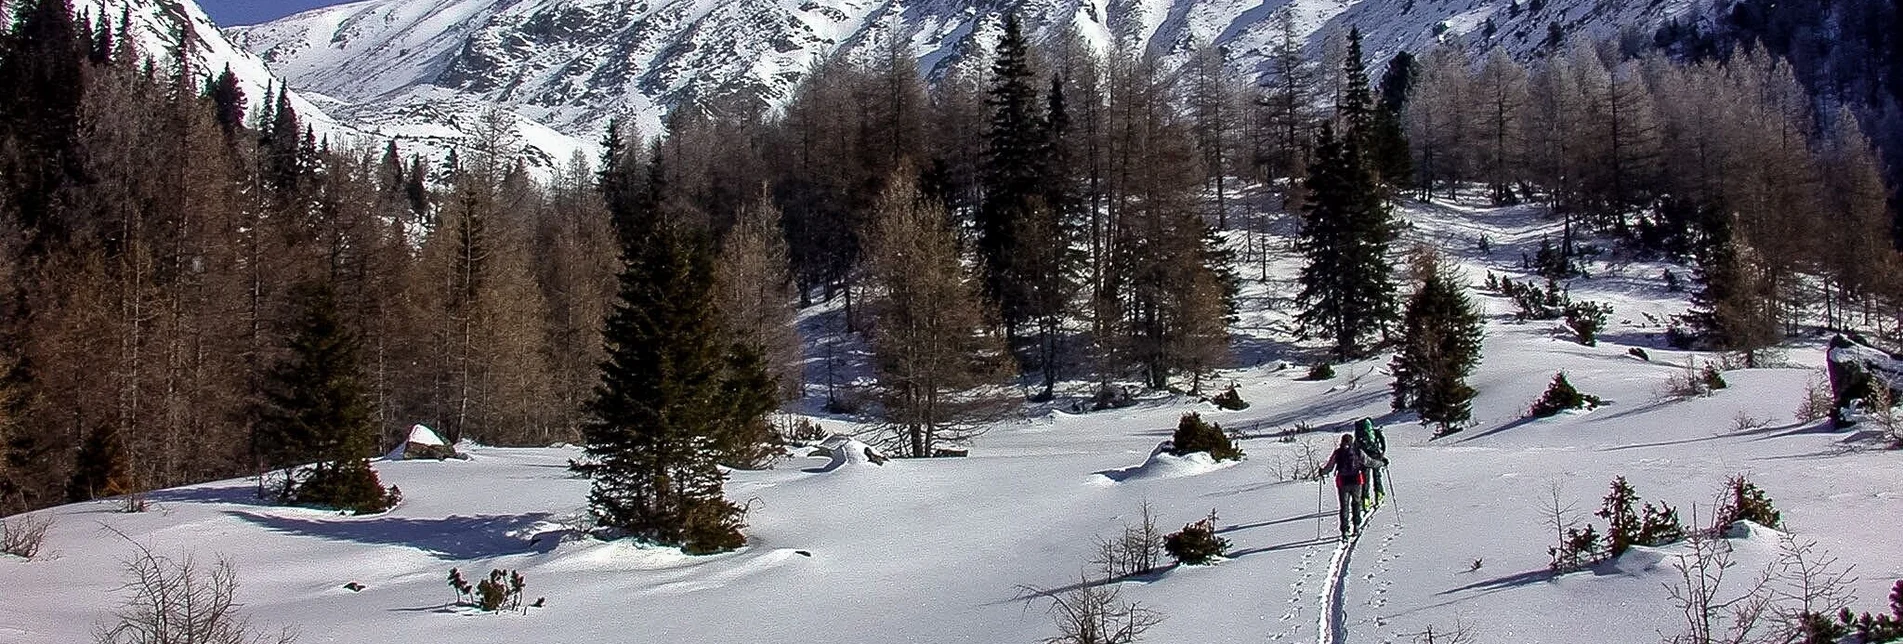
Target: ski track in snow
[1331, 626]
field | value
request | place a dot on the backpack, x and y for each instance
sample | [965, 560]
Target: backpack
[1348, 464]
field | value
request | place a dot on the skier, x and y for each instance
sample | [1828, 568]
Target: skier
[1370, 441]
[1349, 464]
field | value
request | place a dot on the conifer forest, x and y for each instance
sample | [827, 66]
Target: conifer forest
[194, 289]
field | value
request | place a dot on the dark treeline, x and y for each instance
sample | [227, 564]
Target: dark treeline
[1052, 217]
[157, 233]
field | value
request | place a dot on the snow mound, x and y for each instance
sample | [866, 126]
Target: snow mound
[423, 435]
[1163, 464]
[1640, 560]
[422, 443]
[846, 451]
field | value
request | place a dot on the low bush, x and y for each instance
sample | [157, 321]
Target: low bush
[1692, 381]
[182, 601]
[1561, 396]
[1137, 550]
[1230, 399]
[1110, 396]
[350, 486]
[22, 536]
[1627, 526]
[1743, 501]
[501, 589]
[1867, 628]
[1197, 544]
[1580, 548]
[1321, 371]
[1087, 613]
[1193, 435]
[1817, 402]
[1586, 320]
[1535, 302]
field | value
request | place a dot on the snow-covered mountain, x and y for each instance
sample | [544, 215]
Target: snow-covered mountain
[574, 64]
[156, 27]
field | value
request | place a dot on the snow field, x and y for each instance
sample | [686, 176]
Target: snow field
[936, 550]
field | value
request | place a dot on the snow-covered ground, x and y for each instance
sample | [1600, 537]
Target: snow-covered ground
[938, 550]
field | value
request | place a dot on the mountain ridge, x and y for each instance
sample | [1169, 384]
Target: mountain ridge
[574, 65]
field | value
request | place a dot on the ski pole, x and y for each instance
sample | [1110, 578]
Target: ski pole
[1387, 474]
[1320, 483]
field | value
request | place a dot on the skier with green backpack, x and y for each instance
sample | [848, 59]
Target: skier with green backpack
[1369, 439]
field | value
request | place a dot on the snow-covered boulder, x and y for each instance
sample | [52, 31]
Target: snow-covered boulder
[1164, 463]
[1855, 367]
[846, 450]
[423, 443]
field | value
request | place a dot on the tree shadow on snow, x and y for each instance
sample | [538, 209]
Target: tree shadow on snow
[1292, 545]
[453, 537]
[1263, 524]
[1497, 584]
[239, 494]
[1028, 593]
[1517, 422]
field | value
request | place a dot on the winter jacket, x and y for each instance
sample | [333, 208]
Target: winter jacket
[1347, 464]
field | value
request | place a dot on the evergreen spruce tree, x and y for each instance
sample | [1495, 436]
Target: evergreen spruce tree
[1730, 312]
[1355, 106]
[102, 469]
[676, 396]
[317, 409]
[1013, 173]
[228, 101]
[42, 71]
[1387, 144]
[1440, 345]
[282, 150]
[1347, 284]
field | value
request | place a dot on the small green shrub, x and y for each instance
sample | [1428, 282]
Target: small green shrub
[1321, 371]
[501, 589]
[1561, 396]
[1745, 502]
[1535, 302]
[1586, 320]
[1580, 548]
[1823, 629]
[1230, 399]
[1713, 378]
[1659, 526]
[350, 486]
[710, 526]
[1194, 435]
[1197, 544]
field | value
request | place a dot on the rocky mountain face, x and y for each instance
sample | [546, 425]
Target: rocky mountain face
[160, 26]
[427, 68]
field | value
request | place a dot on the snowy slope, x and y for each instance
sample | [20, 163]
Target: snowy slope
[156, 27]
[574, 64]
[843, 550]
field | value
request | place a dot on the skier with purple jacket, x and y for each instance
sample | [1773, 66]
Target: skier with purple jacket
[1350, 465]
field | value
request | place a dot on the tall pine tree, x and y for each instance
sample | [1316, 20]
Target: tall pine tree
[1347, 284]
[676, 396]
[317, 409]
[1013, 173]
[1440, 345]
